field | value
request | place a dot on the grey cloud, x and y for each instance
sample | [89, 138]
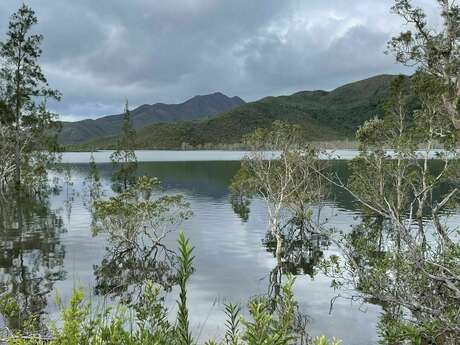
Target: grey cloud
[99, 52]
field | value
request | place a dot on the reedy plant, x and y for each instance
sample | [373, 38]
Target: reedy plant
[184, 336]
[232, 335]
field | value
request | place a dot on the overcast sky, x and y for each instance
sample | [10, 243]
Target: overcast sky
[99, 52]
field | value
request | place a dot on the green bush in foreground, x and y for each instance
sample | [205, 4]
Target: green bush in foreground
[147, 322]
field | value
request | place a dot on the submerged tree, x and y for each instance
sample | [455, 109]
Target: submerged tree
[124, 158]
[137, 222]
[32, 256]
[240, 193]
[92, 185]
[404, 255]
[25, 119]
[289, 178]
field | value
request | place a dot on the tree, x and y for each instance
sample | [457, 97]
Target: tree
[287, 177]
[24, 95]
[403, 255]
[124, 158]
[434, 52]
[7, 153]
[137, 222]
[287, 174]
[92, 185]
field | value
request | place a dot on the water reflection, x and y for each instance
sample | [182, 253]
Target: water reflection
[241, 206]
[31, 254]
[231, 263]
[136, 222]
[300, 255]
[124, 270]
[209, 179]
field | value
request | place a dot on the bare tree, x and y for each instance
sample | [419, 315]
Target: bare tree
[283, 171]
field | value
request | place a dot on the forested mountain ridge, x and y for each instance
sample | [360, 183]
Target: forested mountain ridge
[325, 115]
[194, 108]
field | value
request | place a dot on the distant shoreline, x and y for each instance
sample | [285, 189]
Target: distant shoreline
[327, 145]
[103, 156]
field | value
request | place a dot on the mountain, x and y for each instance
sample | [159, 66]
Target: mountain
[192, 109]
[325, 115]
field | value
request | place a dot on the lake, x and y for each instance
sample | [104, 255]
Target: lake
[56, 251]
[103, 156]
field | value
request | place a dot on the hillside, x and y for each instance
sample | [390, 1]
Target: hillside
[324, 115]
[194, 108]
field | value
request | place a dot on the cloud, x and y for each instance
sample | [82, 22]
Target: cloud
[100, 52]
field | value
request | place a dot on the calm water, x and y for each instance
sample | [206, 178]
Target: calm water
[204, 155]
[56, 251]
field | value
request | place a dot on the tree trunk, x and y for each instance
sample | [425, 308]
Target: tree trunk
[279, 246]
[17, 151]
[17, 159]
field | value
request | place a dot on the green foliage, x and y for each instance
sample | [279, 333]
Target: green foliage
[136, 222]
[322, 116]
[124, 158]
[185, 271]
[272, 327]
[10, 310]
[74, 318]
[152, 318]
[435, 52]
[92, 184]
[232, 335]
[323, 340]
[137, 210]
[401, 255]
[23, 95]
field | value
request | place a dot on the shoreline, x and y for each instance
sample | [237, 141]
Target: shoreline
[326, 145]
[103, 156]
